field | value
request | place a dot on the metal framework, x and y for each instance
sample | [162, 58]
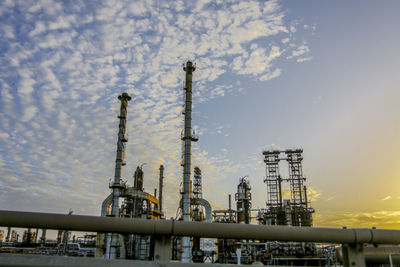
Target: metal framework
[296, 179]
[296, 210]
[197, 194]
[273, 179]
[197, 188]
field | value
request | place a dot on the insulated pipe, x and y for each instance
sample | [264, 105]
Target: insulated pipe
[106, 203]
[197, 229]
[205, 204]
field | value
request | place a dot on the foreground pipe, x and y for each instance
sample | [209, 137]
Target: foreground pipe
[196, 229]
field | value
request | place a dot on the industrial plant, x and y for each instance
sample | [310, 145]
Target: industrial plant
[130, 202]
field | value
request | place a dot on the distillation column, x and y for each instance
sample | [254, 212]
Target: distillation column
[113, 239]
[187, 139]
[243, 201]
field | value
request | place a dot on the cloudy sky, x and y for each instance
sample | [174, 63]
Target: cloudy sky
[320, 75]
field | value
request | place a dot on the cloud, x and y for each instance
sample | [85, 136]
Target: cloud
[304, 59]
[4, 136]
[66, 62]
[40, 27]
[61, 23]
[271, 75]
[313, 194]
[330, 198]
[300, 51]
[386, 198]
[29, 113]
[384, 219]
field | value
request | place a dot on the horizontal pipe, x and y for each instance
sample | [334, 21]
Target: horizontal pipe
[196, 229]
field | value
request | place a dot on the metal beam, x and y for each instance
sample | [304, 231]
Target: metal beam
[196, 229]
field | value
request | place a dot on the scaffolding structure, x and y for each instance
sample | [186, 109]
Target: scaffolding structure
[295, 211]
[197, 193]
[273, 179]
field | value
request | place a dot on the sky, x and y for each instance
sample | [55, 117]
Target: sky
[317, 75]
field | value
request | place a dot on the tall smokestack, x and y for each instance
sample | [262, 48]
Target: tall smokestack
[160, 187]
[187, 139]
[116, 186]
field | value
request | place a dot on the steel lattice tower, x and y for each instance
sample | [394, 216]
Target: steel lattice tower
[273, 179]
[197, 188]
[296, 179]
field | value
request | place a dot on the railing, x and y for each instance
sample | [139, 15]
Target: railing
[351, 239]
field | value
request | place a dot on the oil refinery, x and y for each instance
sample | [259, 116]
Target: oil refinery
[281, 233]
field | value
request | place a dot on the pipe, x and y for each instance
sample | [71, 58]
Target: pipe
[187, 138]
[201, 202]
[205, 204]
[106, 204]
[160, 187]
[197, 229]
[104, 212]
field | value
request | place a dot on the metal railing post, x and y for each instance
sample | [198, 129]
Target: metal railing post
[162, 248]
[353, 255]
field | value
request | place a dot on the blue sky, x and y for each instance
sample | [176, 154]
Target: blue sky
[270, 74]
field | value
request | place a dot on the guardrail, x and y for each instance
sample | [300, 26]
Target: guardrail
[351, 239]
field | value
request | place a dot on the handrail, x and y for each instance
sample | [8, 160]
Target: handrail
[196, 229]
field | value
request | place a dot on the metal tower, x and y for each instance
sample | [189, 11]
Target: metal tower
[187, 138]
[296, 178]
[273, 179]
[113, 243]
[301, 213]
[197, 213]
[197, 196]
[138, 179]
[197, 188]
[243, 201]
[294, 211]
